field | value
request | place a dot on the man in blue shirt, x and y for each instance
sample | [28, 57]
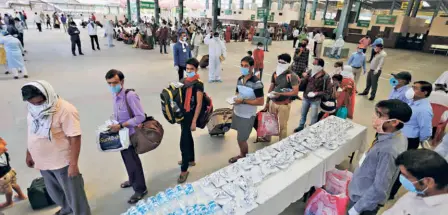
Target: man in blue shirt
[419, 127]
[356, 61]
[182, 53]
[400, 82]
[377, 41]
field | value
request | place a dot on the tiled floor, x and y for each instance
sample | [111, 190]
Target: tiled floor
[80, 80]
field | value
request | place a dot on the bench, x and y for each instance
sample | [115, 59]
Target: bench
[442, 48]
[344, 53]
[257, 39]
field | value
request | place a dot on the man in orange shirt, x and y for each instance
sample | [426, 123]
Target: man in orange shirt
[258, 55]
[364, 43]
[54, 143]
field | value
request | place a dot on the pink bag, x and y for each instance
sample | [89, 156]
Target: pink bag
[337, 181]
[267, 124]
[323, 203]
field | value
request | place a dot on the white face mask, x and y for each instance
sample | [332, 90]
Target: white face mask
[316, 69]
[36, 109]
[410, 94]
[281, 68]
[260, 47]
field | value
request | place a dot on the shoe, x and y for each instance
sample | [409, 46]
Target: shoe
[218, 81]
[98, 48]
[74, 54]
[81, 53]
[211, 81]
[363, 94]
[20, 71]
[298, 129]
[137, 197]
[7, 72]
[182, 178]
[372, 98]
[93, 49]
[192, 163]
[338, 57]
[16, 77]
[25, 76]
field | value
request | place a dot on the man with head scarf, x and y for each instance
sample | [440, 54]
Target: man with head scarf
[217, 52]
[14, 55]
[337, 47]
[54, 143]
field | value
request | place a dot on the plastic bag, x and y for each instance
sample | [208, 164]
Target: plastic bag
[337, 181]
[342, 112]
[323, 203]
[267, 124]
[112, 141]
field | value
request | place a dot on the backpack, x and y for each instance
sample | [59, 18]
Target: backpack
[288, 78]
[206, 110]
[172, 104]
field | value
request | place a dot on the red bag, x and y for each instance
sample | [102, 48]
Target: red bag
[337, 181]
[323, 203]
[267, 124]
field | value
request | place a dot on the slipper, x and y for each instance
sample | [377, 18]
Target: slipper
[182, 178]
[235, 159]
[137, 197]
[192, 163]
[125, 184]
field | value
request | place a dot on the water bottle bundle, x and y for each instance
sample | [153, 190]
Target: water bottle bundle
[174, 201]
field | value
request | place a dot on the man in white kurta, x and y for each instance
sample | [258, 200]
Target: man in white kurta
[14, 55]
[216, 48]
[337, 47]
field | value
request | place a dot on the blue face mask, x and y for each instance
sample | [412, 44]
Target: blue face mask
[409, 185]
[115, 89]
[393, 82]
[190, 74]
[244, 71]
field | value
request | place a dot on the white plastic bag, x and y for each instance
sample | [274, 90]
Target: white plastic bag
[112, 142]
[337, 181]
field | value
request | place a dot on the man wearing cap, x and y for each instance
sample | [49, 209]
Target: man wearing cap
[400, 82]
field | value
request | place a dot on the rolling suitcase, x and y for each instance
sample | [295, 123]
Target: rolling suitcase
[204, 61]
[220, 121]
[38, 195]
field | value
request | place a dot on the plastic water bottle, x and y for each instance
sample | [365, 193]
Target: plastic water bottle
[142, 207]
[132, 211]
[212, 207]
[190, 195]
[202, 209]
[181, 198]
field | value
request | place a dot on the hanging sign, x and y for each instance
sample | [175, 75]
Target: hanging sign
[386, 19]
[147, 5]
[252, 17]
[329, 22]
[363, 23]
[340, 4]
[260, 12]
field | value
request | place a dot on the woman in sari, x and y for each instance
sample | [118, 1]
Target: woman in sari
[228, 33]
[251, 32]
[346, 96]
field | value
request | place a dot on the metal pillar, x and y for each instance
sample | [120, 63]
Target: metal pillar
[409, 9]
[343, 20]
[302, 13]
[416, 7]
[436, 11]
[358, 5]
[241, 4]
[313, 10]
[181, 13]
[280, 4]
[266, 4]
[156, 11]
[137, 4]
[392, 7]
[325, 10]
[214, 14]
[207, 5]
[128, 6]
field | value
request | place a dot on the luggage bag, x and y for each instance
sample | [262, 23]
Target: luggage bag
[220, 121]
[204, 61]
[38, 195]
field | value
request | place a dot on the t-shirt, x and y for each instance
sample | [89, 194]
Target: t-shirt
[198, 86]
[252, 89]
[4, 164]
[281, 82]
[54, 154]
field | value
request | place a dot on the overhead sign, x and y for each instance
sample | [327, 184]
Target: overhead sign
[404, 5]
[363, 23]
[260, 12]
[386, 19]
[329, 22]
[252, 17]
[340, 4]
[271, 17]
[147, 5]
[228, 12]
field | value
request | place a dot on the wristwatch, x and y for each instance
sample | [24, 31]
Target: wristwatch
[121, 126]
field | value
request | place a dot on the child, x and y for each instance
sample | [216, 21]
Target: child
[258, 57]
[249, 53]
[8, 180]
[337, 68]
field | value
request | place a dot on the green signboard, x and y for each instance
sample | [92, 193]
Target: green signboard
[252, 17]
[329, 22]
[363, 23]
[386, 19]
[147, 5]
[228, 12]
[271, 17]
[260, 13]
[178, 9]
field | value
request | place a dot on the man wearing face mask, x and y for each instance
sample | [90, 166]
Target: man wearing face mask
[374, 74]
[249, 92]
[318, 85]
[258, 54]
[301, 57]
[423, 174]
[337, 46]
[181, 53]
[54, 144]
[399, 83]
[284, 87]
[115, 80]
[357, 61]
[377, 170]
[419, 127]
[216, 49]
[163, 37]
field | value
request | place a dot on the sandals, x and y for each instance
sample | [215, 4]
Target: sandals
[235, 159]
[125, 184]
[192, 163]
[137, 197]
[182, 178]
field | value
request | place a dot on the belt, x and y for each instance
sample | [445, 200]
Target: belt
[356, 67]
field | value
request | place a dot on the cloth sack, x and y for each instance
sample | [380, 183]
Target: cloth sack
[336, 181]
[323, 203]
[267, 124]
[108, 141]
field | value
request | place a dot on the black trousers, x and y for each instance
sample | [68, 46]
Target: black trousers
[39, 26]
[413, 143]
[20, 37]
[94, 38]
[186, 141]
[372, 82]
[294, 42]
[373, 54]
[74, 44]
[134, 168]
[261, 72]
[314, 49]
[48, 24]
[372, 212]
[163, 43]
[180, 72]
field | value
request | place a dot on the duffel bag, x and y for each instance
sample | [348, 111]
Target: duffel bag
[148, 136]
[204, 61]
[38, 195]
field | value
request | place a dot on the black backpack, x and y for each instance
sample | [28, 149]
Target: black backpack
[38, 195]
[172, 104]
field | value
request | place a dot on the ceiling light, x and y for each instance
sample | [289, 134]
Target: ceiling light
[426, 4]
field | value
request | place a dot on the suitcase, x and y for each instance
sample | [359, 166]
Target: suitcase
[220, 121]
[38, 195]
[204, 61]
[146, 47]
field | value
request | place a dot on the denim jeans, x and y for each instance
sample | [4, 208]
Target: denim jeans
[306, 105]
